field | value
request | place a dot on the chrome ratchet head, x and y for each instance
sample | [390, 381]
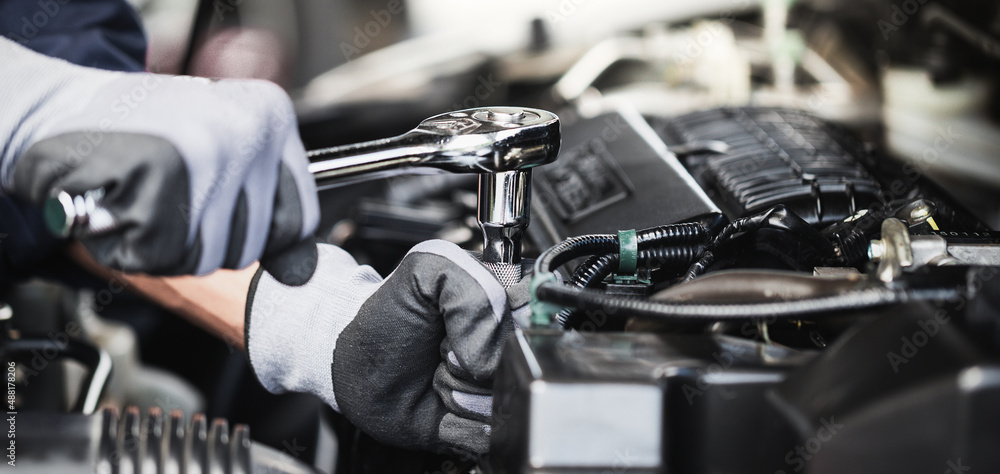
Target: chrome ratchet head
[491, 139]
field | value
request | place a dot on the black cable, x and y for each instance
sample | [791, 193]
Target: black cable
[659, 246]
[777, 217]
[575, 247]
[590, 300]
[600, 244]
[594, 270]
[598, 267]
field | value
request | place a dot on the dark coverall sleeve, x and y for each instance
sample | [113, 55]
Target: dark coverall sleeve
[105, 34]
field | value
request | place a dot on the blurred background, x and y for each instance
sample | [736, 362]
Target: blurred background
[358, 69]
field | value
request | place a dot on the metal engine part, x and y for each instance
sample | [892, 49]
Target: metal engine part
[155, 443]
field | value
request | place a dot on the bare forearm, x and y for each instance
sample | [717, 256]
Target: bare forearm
[215, 302]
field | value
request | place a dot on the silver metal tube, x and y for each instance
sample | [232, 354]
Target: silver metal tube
[504, 203]
[343, 164]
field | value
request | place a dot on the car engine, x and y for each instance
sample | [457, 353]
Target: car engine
[767, 244]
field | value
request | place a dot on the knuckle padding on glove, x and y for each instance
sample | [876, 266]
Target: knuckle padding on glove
[146, 189]
[430, 297]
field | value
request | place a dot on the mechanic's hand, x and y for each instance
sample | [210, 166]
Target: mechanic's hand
[409, 360]
[197, 174]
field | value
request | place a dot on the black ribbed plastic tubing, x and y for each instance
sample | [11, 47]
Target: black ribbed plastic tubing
[601, 244]
[598, 267]
[575, 247]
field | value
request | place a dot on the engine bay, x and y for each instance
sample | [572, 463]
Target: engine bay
[768, 244]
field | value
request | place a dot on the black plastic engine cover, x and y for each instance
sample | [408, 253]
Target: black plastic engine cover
[776, 156]
[613, 173]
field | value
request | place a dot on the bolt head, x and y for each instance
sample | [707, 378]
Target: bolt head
[920, 213]
[876, 250]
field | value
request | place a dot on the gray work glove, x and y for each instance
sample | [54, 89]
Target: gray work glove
[409, 359]
[196, 174]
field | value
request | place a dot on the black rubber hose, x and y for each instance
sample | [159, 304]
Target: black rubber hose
[661, 257]
[575, 247]
[685, 233]
[777, 217]
[590, 273]
[737, 226]
[594, 270]
[600, 244]
[655, 244]
[598, 267]
[589, 300]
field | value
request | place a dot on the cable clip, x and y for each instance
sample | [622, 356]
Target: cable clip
[628, 257]
[542, 312]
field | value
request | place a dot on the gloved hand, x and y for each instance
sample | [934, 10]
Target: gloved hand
[409, 360]
[196, 174]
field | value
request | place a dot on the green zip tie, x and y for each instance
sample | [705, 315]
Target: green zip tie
[541, 312]
[628, 255]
